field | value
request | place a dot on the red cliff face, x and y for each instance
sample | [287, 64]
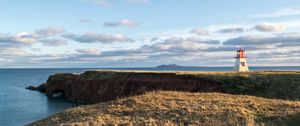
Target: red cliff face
[57, 83]
[94, 87]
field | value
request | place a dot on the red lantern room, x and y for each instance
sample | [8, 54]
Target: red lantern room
[240, 54]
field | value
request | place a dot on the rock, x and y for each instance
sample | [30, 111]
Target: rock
[57, 83]
[31, 88]
[41, 88]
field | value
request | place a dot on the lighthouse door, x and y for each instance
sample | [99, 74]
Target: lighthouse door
[243, 63]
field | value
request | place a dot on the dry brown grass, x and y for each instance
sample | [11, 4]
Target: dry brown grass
[178, 108]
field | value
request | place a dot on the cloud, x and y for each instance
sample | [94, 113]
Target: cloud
[171, 47]
[36, 49]
[199, 31]
[154, 39]
[97, 38]
[124, 23]
[141, 57]
[50, 31]
[248, 40]
[83, 20]
[268, 27]
[88, 51]
[11, 52]
[184, 48]
[231, 30]
[180, 50]
[24, 39]
[178, 44]
[190, 45]
[288, 11]
[138, 1]
[84, 55]
[282, 40]
[54, 42]
[103, 3]
[20, 39]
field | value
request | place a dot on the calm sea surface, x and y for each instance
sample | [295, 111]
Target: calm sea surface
[19, 106]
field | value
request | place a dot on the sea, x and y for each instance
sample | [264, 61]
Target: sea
[19, 106]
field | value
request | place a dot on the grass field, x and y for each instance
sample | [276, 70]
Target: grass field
[179, 108]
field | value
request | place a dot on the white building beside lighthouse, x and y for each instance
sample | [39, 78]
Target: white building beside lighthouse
[241, 63]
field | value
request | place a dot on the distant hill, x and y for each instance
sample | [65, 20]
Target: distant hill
[169, 66]
[175, 66]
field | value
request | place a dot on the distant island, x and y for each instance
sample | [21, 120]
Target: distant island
[175, 66]
[169, 66]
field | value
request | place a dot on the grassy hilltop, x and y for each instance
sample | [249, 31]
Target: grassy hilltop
[268, 84]
[178, 108]
[263, 98]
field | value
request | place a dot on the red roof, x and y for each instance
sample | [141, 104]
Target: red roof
[240, 50]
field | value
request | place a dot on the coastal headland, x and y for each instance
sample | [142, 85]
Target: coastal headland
[272, 95]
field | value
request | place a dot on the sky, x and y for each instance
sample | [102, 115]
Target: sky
[146, 33]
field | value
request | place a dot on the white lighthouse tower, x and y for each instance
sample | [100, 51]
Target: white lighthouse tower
[241, 63]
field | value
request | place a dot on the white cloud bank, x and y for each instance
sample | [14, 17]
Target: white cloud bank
[92, 37]
[198, 47]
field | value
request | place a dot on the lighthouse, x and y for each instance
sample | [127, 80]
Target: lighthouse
[241, 63]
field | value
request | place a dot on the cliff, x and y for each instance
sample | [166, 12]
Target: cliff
[178, 108]
[100, 86]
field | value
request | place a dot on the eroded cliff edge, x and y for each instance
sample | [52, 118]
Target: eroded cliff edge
[100, 86]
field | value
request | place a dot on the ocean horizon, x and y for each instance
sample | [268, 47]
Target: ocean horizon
[179, 68]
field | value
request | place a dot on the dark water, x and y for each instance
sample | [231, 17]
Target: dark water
[19, 106]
